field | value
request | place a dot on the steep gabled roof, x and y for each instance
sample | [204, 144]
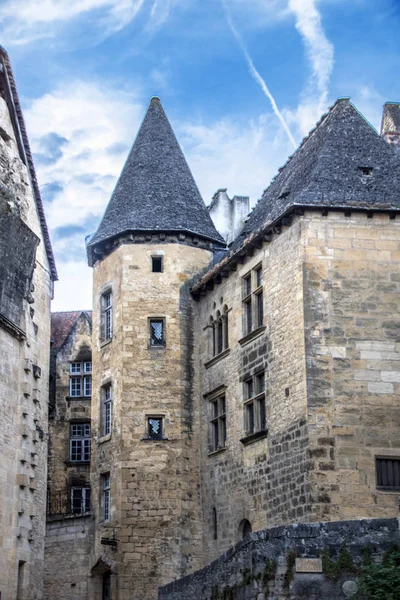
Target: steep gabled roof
[9, 89]
[156, 190]
[343, 163]
[62, 324]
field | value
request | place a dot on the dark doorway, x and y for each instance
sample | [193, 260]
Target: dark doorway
[106, 595]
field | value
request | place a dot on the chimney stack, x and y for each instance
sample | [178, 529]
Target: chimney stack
[390, 128]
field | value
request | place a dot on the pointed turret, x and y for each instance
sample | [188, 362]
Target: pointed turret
[156, 191]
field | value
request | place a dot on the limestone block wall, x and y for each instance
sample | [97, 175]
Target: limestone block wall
[23, 396]
[155, 501]
[351, 290]
[289, 562]
[265, 481]
[67, 557]
[62, 474]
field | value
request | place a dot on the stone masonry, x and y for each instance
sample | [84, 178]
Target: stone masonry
[26, 273]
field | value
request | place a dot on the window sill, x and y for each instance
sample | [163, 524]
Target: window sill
[218, 451]
[147, 439]
[390, 490]
[78, 398]
[76, 463]
[159, 347]
[217, 358]
[252, 335]
[104, 438]
[105, 343]
[254, 437]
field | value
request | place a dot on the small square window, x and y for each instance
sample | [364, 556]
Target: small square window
[155, 428]
[157, 264]
[157, 335]
[75, 368]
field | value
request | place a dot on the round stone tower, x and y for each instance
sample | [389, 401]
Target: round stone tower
[155, 236]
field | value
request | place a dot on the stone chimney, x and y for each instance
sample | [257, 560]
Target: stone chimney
[390, 128]
[228, 214]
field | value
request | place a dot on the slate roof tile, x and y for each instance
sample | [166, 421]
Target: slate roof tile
[62, 324]
[156, 190]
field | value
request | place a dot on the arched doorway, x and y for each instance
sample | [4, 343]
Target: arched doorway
[245, 528]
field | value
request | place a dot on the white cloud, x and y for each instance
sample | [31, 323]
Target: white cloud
[320, 53]
[24, 21]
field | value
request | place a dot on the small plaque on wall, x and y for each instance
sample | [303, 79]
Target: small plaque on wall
[308, 565]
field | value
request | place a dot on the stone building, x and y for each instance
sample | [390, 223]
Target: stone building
[69, 531]
[27, 273]
[235, 388]
[245, 387]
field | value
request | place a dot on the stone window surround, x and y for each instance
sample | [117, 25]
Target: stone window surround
[105, 432]
[252, 300]
[83, 375]
[105, 496]
[104, 291]
[146, 437]
[157, 255]
[211, 398]
[254, 400]
[162, 319]
[84, 439]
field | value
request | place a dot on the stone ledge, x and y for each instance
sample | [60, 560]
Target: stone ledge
[217, 358]
[252, 335]
[254, 437]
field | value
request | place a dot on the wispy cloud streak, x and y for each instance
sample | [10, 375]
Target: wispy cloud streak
[256, 75]
[319, 49]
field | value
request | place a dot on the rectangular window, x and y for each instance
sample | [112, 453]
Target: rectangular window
[80, 500]
[218, 423]
[107, 399]
[80, 381]
[106, 317]
[157, 334]
[106, 496]
[79, 442]
[388, 474]
[157, 264]
[155, 428]
[253, 300]
[75, 387]
[254, 405]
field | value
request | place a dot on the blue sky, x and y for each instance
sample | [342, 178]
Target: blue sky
[86, 70]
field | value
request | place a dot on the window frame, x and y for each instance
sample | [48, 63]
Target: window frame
[80, 379]
[255, 422]
[106, 496]
[163, 342]
[85, 499]
[106, 409]
[161, 434]
[80, 443]
[253, 299]
[106, 312]
[217, 422]
[219, 332]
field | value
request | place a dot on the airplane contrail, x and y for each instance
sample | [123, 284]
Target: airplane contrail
[256, 75]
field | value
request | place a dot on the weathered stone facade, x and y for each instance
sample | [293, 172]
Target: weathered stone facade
[155, 498]
[26, 273]
[328, 347]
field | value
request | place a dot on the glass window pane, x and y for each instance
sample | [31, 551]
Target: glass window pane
[75, 367]
[250, 418]
[250, 388]
[156, 332]
[87, 367]
[155, 428]
[259, 277]
[260, 309]
[157, 264]
[88, 385]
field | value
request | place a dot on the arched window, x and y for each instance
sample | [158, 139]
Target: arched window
[225, 324]
[220, 333]
[245, 528]
[213, 344]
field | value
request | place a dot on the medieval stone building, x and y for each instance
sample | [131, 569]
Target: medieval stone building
[242, 387]
[27, 272]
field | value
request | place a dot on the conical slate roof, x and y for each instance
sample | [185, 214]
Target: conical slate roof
[156, 190]
[343, 163]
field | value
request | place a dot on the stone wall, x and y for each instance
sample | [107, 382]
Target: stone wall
[67, 558]
[155, 493]
[352, 333]
[293, 562]
[263, 480]
[24, 375]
